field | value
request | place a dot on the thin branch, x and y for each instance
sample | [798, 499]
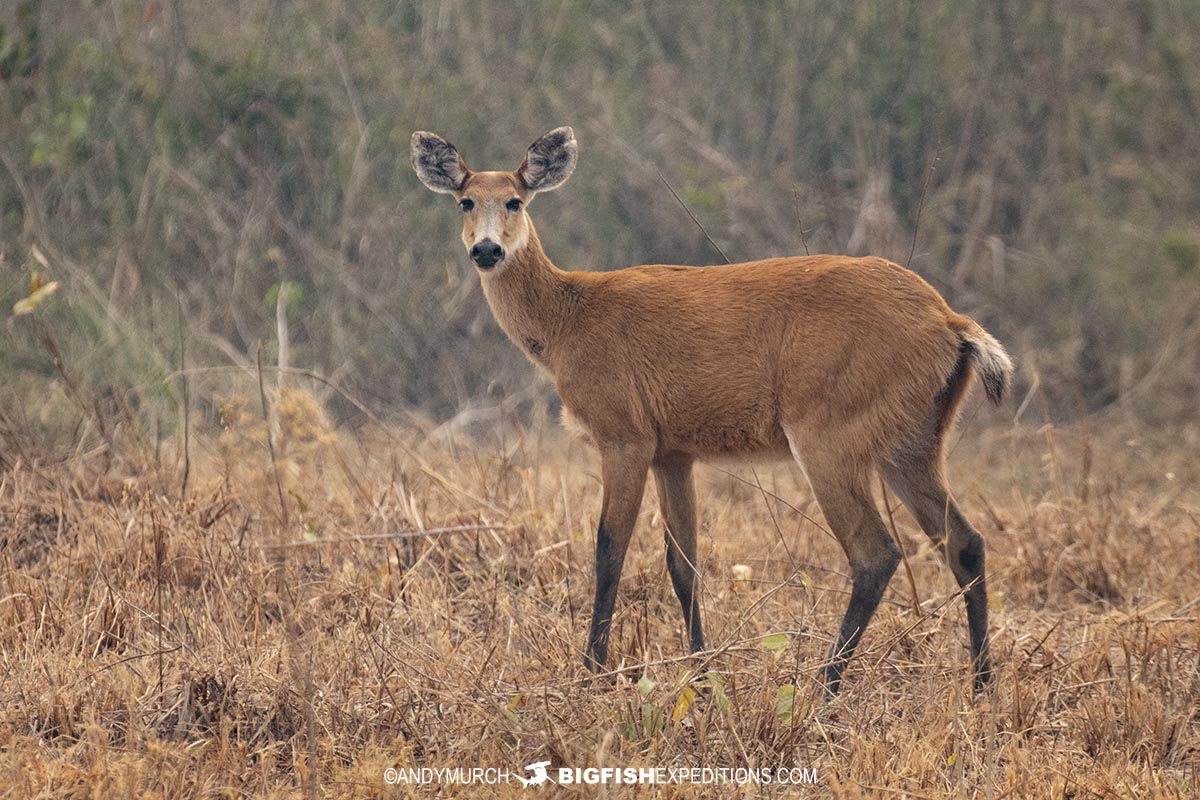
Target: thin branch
[159, 557]
[126, 660]
[737, 477]
[397, 536]
[799, 222]
[73, 390]
[187, 413]
[693, 216]
[774, 521]
[912, 581]
[964, 427]
[920, 205]
[706, 657]
[262, 394]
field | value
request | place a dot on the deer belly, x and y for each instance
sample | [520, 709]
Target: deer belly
[723, 425]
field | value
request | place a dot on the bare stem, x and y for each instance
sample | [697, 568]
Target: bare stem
[693, 216]
[262, 394]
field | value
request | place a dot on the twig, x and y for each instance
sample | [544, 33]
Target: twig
[187, 421]
[693, 216]
[960, 592]
[920, 205]
[399, 535]
[711, 654]
[300, 667]
[774, 521]
[281, 332]
[262, 394]
[707, 656]
[158, 579]
[73, 390]
[912, 582]
[799, 222]
[125, 660]
[737, 477]
[962, 429]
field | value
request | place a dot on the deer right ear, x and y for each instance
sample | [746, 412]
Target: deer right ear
[438, 164]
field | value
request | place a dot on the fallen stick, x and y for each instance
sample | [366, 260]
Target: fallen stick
[369, 537]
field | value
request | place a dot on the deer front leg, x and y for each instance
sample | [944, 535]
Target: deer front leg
[623, 471]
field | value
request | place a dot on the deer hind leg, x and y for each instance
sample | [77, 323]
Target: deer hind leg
[843, 492]
[677, 498]
[916, 477]
[623, 469]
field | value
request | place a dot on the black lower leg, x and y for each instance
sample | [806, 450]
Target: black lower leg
[970, 574]
[608, 575]
[685, 580]
[978, 624]
[867, 591]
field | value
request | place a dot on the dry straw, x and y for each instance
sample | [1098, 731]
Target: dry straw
[429, 610]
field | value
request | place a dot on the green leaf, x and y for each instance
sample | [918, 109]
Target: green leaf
[718, 687]
[807, 581]
[785, 702]
[653, 719]
[776, 641]
[645, 686]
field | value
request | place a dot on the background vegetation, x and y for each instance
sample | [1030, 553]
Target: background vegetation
[175, 164]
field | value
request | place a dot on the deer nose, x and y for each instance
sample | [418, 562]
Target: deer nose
[486, 253]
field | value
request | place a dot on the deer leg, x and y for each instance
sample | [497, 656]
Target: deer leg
[873, 560]
[919, 484]
[845, 499]
[677, 498]
[624, 474]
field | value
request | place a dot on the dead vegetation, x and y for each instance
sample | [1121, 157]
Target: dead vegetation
[426, 606]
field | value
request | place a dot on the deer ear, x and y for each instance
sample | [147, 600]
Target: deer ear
[438, 164]
[549, 161]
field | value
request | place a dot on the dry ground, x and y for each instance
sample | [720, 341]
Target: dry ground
[153, 646]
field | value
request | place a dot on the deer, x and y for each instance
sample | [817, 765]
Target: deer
[851, 367]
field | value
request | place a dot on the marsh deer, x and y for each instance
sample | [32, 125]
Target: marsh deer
[847, 365]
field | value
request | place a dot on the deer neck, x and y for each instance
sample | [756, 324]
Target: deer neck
[533, 300]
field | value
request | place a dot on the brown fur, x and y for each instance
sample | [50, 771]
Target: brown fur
[847, 364]
[744, 350]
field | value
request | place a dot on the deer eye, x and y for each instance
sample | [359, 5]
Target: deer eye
[467, 204]
[513, 205]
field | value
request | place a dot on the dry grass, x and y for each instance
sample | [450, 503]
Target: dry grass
[159, 647]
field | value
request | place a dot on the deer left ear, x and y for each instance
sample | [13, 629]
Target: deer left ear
[549, 161]
[438, 164]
